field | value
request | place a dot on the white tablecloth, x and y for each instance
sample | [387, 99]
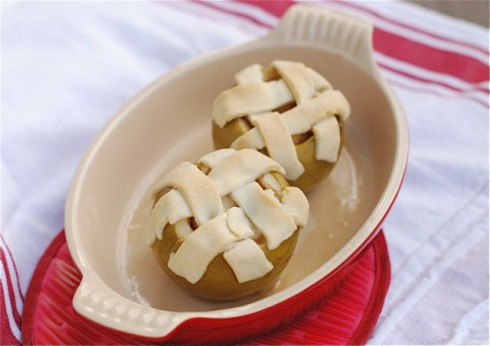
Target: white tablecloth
[67, 67]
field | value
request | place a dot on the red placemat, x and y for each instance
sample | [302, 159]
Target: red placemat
[348, 316]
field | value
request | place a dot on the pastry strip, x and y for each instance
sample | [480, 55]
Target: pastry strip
[192, 258]
[296, 205]
[327, 134]
[279, 143]
[200, 193]
[239, 223]
[249, 75]
[247, 99]
[241, 168]
[171, 207]
[297, 78]
[266, 213]
[247, 261]
[301, 118]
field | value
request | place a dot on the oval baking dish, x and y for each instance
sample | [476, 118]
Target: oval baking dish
[170, 121]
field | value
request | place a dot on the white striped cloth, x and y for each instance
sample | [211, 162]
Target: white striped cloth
[68, 66]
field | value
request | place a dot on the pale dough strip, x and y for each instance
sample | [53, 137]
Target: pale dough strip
[200, 193]
[245, 99]
[171, 207]
[301, 118]
[247, 260]
[192, 258]
[327, 135]
[279, 143]
[297, 78]
[241, 168]
[266, 213]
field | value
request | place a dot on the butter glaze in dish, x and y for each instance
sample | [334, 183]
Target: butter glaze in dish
[110, 197]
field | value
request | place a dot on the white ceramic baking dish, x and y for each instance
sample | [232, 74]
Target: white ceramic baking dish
[170, 121]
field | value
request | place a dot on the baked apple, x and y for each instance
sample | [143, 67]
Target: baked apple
[288, 112]
[226, 227]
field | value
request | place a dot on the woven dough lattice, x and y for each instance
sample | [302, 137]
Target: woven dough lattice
[313, 108]
[223, 197]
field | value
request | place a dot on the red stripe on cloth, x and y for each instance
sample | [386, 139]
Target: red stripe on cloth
[419, 89]
[10, 287]
[461, 66]
[431, 81]
[235, 13]
[9, 253]
[7, 337]
[401, 48]
[277, 8]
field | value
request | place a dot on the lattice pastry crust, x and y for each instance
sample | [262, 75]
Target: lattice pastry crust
[261, 96]
[223, 198]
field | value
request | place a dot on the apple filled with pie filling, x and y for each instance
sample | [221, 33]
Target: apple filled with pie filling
[225, 227]
[288, 112]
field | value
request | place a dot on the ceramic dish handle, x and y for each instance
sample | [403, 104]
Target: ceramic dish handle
[329, 29]
[94, 300]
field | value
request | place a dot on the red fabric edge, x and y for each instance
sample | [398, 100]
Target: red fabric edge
[7, 337]
[10, 287]
[9, 254]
